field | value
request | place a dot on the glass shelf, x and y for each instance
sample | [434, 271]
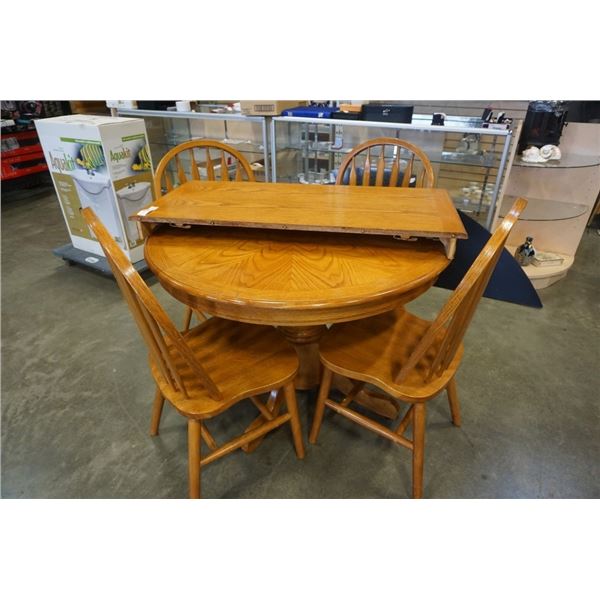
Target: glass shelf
[488, 160]
[569, 161]
[167, 129]
[241, 145]
[544, 210]
[176, 114]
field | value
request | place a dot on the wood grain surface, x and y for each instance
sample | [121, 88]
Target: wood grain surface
[405, 212]
[290, 278]
[185, 159]
[207, 369]
[407, 357]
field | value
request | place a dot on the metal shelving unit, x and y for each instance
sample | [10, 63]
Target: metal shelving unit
[167, 129]
[309, 150]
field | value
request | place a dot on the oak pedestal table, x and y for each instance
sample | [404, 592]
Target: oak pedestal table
[259, 253]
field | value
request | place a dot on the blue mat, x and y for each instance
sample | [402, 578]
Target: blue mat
[508, 282]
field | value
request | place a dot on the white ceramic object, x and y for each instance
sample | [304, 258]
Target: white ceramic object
[550, 152]
[532, 155]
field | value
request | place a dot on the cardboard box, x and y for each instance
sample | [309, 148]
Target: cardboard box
[105, 163]
[268, 108]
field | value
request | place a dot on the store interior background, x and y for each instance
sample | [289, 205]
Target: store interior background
[543, 428]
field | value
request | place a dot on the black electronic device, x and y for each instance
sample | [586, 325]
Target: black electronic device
[438, 118]
[543, 124]
[155, 104]
[486, 117]
[392, 113]
[348, 116]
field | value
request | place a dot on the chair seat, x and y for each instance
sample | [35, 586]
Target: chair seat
[375, 349]
[242, 360]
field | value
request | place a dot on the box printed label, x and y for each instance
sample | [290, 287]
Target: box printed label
[131, 170]
[69, 200]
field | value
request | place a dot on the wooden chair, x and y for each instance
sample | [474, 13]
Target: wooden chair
[410, 359]
[207, 369]
[407, 165]
[187, 161]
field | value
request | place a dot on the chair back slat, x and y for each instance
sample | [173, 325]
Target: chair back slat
[425, 178]
[408, 172]
[456, 328]
[194, 165]
[395, 168]
[353, 172]
[168, 184]
[238, 173]
[366, 178]
[177, 381]
[141, 319]
[156, 327]
[180, 171]
[446, 332]
[164, 181]
[380, 168]
[224, 168]
[210, 172]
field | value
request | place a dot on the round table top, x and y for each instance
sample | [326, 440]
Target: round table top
[291, 278]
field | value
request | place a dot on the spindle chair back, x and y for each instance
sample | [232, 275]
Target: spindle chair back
[386, 161]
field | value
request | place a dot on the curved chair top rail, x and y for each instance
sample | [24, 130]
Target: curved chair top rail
[221, 161]
[425, 178]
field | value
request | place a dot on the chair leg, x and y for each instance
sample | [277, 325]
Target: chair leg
[320, 408]
[194, 432]
[453, 402]
[292, 406]
[159, 401]
[419, 414]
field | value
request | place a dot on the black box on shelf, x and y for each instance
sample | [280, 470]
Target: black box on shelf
[393, 113]
[348, 116]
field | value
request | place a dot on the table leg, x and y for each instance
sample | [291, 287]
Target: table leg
[306, 342]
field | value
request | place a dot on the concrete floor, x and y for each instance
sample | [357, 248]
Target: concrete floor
[77, 394]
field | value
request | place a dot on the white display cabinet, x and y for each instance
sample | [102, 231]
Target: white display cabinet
[561, 196]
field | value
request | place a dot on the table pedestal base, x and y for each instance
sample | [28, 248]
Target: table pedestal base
[306, 342]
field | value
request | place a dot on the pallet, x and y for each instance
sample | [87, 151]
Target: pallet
[92, 261]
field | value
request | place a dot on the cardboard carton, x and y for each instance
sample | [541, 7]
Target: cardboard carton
[268, 108]
[105, 163]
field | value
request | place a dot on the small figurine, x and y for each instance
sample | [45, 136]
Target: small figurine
[525, 252]
[550, 152]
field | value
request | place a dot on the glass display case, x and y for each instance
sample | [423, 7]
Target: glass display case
[469, 160]
[166, 129]
[561, 195]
